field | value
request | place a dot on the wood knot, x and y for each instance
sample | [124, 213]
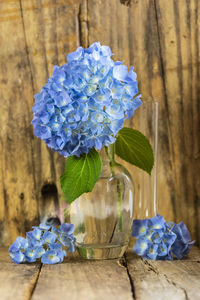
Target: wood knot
[49, 189]
[126, 2]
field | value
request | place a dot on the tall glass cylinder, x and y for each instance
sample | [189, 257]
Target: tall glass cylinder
[146, 198]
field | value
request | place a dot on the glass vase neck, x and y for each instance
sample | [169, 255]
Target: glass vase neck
[108, 153]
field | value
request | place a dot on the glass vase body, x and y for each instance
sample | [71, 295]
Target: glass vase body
[103, 217]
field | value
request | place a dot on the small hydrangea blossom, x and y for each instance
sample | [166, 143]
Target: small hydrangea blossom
[183, 242]
[157, 239]
[45, 242]
[17, 250]
[85, 102]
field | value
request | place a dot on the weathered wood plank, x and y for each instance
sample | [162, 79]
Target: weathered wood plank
[109, 279]
[163, 280]
[82, 279]
[161, 39]
[18, 203]
[35, 35]
[16, 281]
[179, 38]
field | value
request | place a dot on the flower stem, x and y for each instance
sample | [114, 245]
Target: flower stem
[119, 204]
[110, 155]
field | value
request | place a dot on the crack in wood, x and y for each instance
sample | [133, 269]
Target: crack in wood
[170, 281]
[35, 282]
[177, 286]
[150, 267]
[125, 264]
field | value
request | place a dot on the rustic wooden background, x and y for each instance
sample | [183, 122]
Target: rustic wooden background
[161, 38]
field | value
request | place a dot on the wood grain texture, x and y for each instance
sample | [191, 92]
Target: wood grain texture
[16, 281]
[82, 279]
[35, 36]
[129, 278]
[163, 280]
[159, 37]
[179, 36]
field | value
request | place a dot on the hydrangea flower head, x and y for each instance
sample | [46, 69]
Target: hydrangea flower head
[85, 102]
[157, 239]
[45, 242]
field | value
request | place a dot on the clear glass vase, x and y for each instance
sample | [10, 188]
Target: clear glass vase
[103, 217]
[146, 204]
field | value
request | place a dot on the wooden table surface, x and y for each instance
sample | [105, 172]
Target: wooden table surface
[124, 279]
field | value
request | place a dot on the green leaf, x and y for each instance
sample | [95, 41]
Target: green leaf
[132, 146]
[81, 174]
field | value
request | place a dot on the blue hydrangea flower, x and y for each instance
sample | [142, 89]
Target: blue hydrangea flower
[60, 252]
[66, 236]
[183, 242]
[45, 242]
[157, 222]
[140, 228]
[141, 247]
[51, 257]
[157, 239]
[151, 252]
[85, 102]
[34, 237]
[49, 237]
[17, 250]
[67, 228]
[68, 241]
[32, 253]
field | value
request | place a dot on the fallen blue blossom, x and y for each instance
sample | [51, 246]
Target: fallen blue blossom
[160, 240]
[45, 242]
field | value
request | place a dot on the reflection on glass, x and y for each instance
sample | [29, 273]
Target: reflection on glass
[147, 185]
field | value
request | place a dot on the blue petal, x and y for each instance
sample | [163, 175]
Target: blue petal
[50, 257]
[106, 51]
[158, 222]
[39, 252]
[152, 252]
[49, 237]
[67, 228]
[141, 247]
[17, 257]
[157, 236]
[162, 249]
[68, 241]
[116, 125]
[182, 232]
[30, 254]
[120, 72]
[44, 226]
[76, 55]
[132, 75]
[169, 238]
[20, 243]
[139, 227]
